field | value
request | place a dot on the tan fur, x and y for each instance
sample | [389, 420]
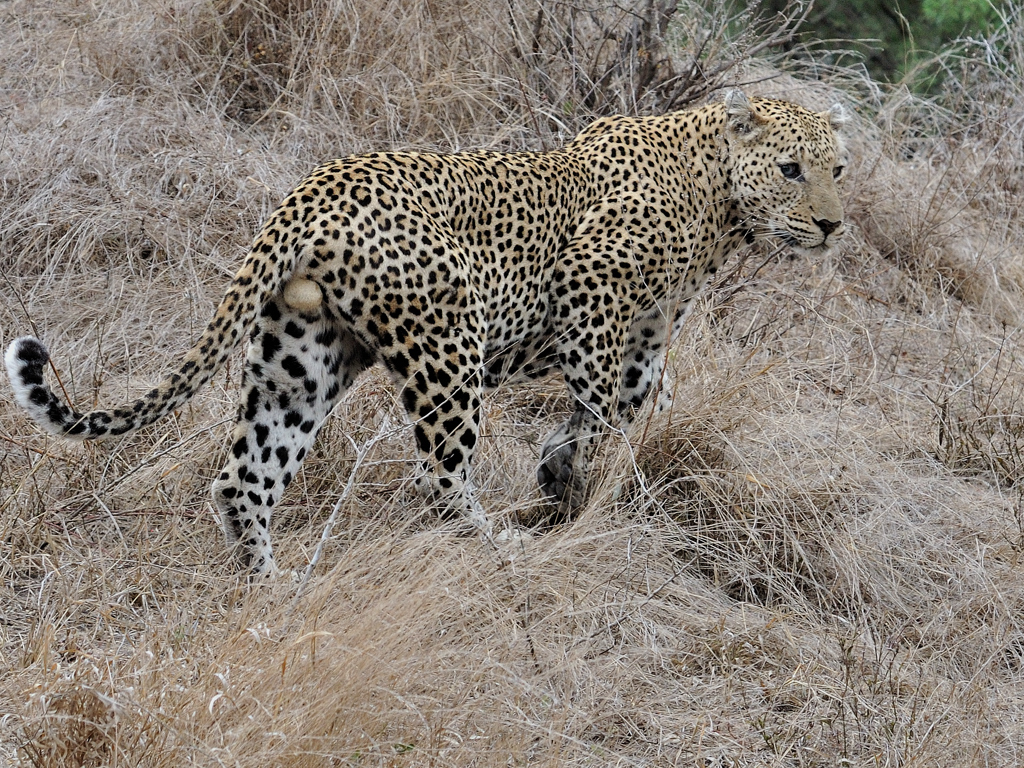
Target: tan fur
[303, 295]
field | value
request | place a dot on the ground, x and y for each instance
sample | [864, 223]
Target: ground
[816, 560]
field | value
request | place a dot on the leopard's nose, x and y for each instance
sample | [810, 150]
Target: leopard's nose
[827, 226]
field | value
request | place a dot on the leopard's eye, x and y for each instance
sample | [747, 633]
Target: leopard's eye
[791, 171]
[837, 171]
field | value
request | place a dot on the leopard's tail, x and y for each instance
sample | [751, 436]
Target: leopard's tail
[260, 277]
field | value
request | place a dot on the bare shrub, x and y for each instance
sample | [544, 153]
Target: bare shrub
[647, 56]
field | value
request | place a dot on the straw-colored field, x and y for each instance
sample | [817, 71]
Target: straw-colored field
[814, 560]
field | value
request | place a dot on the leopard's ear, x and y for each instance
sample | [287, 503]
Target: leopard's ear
[743, 120]
[837, 117]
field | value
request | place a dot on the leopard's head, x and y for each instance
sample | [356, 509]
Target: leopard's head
[784, 165]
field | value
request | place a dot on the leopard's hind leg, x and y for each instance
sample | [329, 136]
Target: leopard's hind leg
[299, 364]
[440, 385]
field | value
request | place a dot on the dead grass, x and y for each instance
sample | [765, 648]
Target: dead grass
[813, 560]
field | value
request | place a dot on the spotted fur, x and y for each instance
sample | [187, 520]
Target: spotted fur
[461, 271]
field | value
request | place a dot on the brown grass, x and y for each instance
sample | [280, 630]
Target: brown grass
[813, 560]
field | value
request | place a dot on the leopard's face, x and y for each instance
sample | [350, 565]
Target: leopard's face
[785, 167]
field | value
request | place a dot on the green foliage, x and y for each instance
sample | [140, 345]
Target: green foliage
[894, 35]
[952, 17]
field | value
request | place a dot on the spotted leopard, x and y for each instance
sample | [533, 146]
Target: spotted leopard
[460, 271]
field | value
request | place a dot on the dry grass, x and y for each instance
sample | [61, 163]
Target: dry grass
[814, 560]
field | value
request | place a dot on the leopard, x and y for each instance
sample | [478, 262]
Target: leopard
[461, 271]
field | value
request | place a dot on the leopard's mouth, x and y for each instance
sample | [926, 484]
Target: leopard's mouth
[810, 250]
[790, 239]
